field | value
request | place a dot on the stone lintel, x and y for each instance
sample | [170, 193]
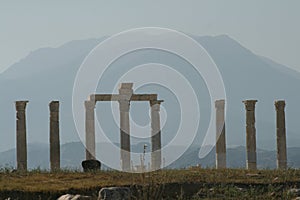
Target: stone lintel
[117, 97]
[104, 97]
[143, 97]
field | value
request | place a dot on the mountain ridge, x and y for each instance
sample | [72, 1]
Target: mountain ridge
[245, 75]
[73, 153]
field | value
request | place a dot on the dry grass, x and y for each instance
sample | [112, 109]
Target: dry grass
[38, 181]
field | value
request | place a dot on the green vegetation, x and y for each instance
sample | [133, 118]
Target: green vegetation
[192, 183]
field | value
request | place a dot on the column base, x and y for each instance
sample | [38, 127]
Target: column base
[281, 164]
[251, 165]
[220, 160]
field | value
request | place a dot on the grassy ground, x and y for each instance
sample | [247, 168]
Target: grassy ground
[182, 184]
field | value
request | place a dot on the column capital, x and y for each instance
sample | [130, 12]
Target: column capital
[279, 105]
[250, 104]
[155, 104]
[124, 105]
[21, 105]
[89, 105]
[220, 104]
[54, 106]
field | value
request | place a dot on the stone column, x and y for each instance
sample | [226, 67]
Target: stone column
[54, 136]
[250, 134]
[90, 143]
[220, 135]
[125, 92]
[155, 135]
[21, 136]
[281, 135]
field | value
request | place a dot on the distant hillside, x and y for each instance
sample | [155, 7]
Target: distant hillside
[48, 74]
[236, 158]
[72, 154]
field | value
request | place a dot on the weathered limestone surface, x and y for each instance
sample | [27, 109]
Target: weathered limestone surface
[156, 157]
[250, 134]
[281, 135]
[125, 92]
[220, 135]
[114, 193]
[124, 97]
[54, 136]
[21, 135]
[90, 130]
[117, 97]
[294, 192]
[74, 197]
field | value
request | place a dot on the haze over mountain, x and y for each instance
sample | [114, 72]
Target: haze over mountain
[48, 74]
[72, 154]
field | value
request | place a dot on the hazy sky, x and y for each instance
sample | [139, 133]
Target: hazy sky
[270, 27]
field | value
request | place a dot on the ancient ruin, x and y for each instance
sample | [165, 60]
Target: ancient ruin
[250, 134]
[124, 98]
[155, 135]
[281, 135]
[21, 135]
[54, 136]
[90, 130]
[220, 135]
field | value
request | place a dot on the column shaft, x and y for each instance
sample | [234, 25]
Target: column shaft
[281, 135]
[220, 135]
[250, 134]
[90, 130]
[125, 92]
[54, 136]
[21, 135]
[125, 136]
[156, 157]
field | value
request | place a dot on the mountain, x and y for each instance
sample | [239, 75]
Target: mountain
[38, 156]
[48, 74]
[72, 154]
[236, 158]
